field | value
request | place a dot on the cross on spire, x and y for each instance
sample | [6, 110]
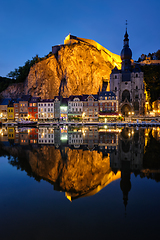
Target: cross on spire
[126, 24]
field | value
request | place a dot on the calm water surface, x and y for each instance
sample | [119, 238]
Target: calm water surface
[86, 183]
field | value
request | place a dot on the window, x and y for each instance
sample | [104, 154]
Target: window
[115, 76]
[115, 88]
[136, 75]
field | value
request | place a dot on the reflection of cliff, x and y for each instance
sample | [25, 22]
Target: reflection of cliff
[76, 172]
[80, 172]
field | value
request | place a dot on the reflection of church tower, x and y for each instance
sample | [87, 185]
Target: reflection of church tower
[127, 83]
[125, 183]
[128, 158]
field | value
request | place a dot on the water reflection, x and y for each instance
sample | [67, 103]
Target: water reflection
[82, 161]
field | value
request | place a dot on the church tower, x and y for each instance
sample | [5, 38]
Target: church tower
[127, 83]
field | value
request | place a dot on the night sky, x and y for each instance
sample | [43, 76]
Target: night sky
[31, 27]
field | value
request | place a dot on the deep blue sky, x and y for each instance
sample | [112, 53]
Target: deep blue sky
[30, 27]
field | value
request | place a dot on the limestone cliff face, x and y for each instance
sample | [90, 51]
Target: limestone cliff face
[13, 91]
[78, 68]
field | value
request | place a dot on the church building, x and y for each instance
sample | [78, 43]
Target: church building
[127, 84]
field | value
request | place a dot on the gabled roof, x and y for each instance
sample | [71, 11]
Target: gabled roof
[46, 100]
[72, 97]
[5, 101]
[57, 97]
[107, 93]
[64, 102]
[35, 99]
[85, 97]
[137, 68]
[115, 70]
[26, 98]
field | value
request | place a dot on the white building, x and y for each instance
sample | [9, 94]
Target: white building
[46, 109]
[75, 106]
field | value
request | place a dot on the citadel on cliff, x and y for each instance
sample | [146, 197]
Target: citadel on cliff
[82, 69]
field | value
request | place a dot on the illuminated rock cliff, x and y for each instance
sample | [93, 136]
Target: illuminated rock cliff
[79, 67]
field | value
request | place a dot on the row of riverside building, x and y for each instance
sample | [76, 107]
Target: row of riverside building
[101, 106]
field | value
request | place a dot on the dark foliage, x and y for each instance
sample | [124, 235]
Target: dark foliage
[152, 80]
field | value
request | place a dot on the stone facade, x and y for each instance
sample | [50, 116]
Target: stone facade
[127, 84]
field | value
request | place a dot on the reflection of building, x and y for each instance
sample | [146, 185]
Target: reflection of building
[23, 136]
[108, 141]
[75, 138]
[33, 135]
[128, 157]
[46, 136]
[11, 132]
[64, 134]
[90, 137]
[127, 83]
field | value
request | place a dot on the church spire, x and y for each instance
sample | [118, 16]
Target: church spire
[126, 53]
[126, 39]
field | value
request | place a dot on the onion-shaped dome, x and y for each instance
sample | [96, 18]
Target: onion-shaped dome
[126, 53]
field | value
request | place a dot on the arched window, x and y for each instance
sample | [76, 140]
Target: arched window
[136, 106]
[126, 95]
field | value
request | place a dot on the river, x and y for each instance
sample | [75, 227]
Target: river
[79, 183]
